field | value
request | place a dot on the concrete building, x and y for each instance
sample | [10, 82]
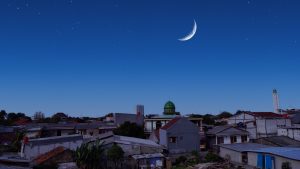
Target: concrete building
[261, 156]
[34, 147]
[260, 124]
[290, 131]
[237, 152]
[154, 122]
[180, 136]
[226, 135]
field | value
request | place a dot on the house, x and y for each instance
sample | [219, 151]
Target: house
[261, 156]
[290, 131]
[274, 157]
[237, 152]
[226, 135]
[32, 148]
[260, 124]
[154, 122]
[180, 135]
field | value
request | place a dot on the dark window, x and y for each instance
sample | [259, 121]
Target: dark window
[172, 139]
[244, 158]
[244, 139]
[158, 124]
[220, 140]
[58, 132]
[233, 139]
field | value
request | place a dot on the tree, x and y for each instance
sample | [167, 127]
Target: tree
[115, 153]
[39, 116]
[130, 129]
[3, 115]
[224, 114]
[209, 119]
[90, 155]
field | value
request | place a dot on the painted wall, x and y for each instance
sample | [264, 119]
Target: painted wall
[233, 155]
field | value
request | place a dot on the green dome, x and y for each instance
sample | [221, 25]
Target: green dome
[169, 105]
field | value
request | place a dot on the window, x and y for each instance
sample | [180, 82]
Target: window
[220, 140]
[233, 139]
[244, 158]
[172, 139]
[58, 132]
[244, 138]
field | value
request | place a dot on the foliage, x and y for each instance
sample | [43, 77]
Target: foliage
[180, 160]
[286, 165]
[130, 130]
[16, 145]
[209, 119]
[224, 114]
[211, 157]
[90, 155]
[115, 153]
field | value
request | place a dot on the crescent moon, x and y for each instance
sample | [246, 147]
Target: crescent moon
[191, 34]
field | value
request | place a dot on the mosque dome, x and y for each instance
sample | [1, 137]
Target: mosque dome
[169, 105]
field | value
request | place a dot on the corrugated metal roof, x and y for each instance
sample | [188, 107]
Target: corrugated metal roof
[242, 147]
[287, 152]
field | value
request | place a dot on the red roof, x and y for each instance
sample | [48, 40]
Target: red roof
[265, 114]
[22, 121]
[44, 157]
[170, 123]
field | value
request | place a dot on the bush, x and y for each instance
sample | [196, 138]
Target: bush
[211, 157]
[180, 160]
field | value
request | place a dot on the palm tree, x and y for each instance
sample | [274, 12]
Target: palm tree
[90, 155]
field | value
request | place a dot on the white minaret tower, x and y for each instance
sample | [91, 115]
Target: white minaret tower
[276, 101]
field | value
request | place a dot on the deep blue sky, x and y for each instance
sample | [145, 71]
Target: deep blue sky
[91, 57]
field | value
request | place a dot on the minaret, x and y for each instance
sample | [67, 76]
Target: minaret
[276, 101]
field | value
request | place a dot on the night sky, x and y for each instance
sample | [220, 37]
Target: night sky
[92, 57]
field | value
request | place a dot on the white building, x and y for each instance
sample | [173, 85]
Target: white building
[260, 124]
[291, 131]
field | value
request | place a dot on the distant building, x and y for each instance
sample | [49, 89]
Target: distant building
[120, 118]
[226, 135]
[278, 141]
[260, 124]
[180, 136]
[154, 122]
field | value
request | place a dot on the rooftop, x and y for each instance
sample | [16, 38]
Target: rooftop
[287, 152]
[170, 123]
[242, 147]
[265, 114]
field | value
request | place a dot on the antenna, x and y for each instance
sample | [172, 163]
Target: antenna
[275, 101]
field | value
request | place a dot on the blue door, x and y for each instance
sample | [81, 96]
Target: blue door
[260, 161]
[269, 163]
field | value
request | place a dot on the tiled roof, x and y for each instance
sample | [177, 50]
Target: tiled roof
[44, 157]
[170, 123]
[265, 114]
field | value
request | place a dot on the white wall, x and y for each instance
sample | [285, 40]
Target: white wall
[31, 150]
[234, 156]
